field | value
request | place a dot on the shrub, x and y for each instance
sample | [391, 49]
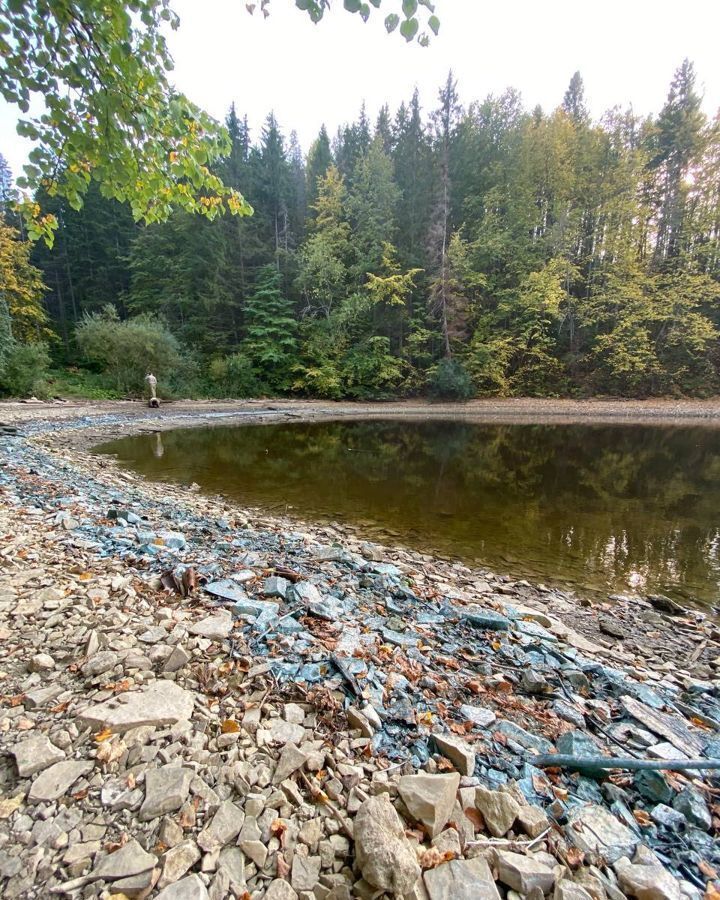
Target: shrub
[24, 370]
[126, 351]
[450, 381]
[233, 376]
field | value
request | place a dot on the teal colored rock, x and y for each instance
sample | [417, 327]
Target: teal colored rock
[487, 618]
[652, 786]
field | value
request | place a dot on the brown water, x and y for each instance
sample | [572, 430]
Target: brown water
[617, 508]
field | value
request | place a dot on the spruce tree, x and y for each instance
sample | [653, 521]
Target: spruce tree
[271, 331]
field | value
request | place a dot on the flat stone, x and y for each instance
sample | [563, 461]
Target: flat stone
[158, 703]
[668, 817]
[524, 738]
[99, 663]
[384, 855]
[281, 732]
[653, 787]
[35, 754]
[275, 586]
[523, 873]
[42, 696]
[430, 798]
[305, 872]
[458, 751]
[177, 861]
[646, 882]
[499, 810]
[166, 790]
[214, 628]
[177, 659]
[52, 783]
[256, 851]
[486, 618]
[568, 890]
[593, 829]
[672, 728]
[125, 862]
[461, 879]
[41, 662]
[291, 759]
[279, 890]
[190, 888]
[478, 715]
[225, 827]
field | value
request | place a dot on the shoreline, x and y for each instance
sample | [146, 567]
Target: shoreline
[101, 573]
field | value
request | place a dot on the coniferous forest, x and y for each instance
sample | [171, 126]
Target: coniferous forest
[456, 249]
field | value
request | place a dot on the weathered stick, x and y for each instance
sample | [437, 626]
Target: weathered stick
[618, 762]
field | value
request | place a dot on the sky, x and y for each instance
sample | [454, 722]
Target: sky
[626, 51]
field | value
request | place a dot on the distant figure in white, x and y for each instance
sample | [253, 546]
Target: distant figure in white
[151, 382]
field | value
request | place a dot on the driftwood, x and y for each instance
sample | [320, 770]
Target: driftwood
[564, 761]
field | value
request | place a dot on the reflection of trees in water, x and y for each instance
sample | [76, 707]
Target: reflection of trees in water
[601, 501]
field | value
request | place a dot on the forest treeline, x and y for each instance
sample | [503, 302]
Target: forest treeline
[463, 251]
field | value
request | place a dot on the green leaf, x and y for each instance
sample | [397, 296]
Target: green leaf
[392, 22]
[409, 8]
[352, 5]
[409, 29]
[434, 24]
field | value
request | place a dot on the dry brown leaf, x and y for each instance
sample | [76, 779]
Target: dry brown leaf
[707, 870]
[102, 735]
[642, 818]
[229, 726]
[433, 857]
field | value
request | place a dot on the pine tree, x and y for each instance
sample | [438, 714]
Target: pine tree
[678, 141]
[271, 329]
[318, 162]
[574, 101]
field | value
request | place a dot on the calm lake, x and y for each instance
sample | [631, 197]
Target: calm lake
[623, 508]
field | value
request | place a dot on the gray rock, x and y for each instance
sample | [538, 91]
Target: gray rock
[461, 879]
[429, 798]
[384, 855]
[478, 715]
[177, 861]
[524, 738]
[190, 888]
[458, 751]
[569, 713]
[568, 890]
[225, 827]
[99, 663]
[653, 787]
[41, 662]
[291, 759]
[125, 862]
[276, 587]
[56, 781]
[282, 732]
[593, 829]
[692, 805]
[358, 721]
[214, 628]
[35, 754]
[668, 817]
[523, 873]
[166, 790]
[499, 810]
[305, 872]
[158, 703]
[177, 659]
[279, 890]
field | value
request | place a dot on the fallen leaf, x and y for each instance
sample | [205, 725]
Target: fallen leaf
[229, 726]
[8, 807]
[433, 857]
[707, 870]
[102, 735]
[642, 818]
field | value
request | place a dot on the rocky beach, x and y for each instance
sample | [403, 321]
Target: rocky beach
[201, 700]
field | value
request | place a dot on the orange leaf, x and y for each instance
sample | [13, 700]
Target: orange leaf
[102, 735]
[642, 818]
[229, 726]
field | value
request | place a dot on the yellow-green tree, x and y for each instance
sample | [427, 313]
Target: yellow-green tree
[21, 288]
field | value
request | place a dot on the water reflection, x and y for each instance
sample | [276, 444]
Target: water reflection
[618, 507]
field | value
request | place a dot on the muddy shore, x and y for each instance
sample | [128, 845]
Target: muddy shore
[201, 700]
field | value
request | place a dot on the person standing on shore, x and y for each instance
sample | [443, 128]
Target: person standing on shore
[151, 382]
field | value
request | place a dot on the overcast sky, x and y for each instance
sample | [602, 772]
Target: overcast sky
[626, 51]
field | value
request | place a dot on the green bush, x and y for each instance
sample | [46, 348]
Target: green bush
[450, 381]
[24, 370]
[233, 376]
[126, 351]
